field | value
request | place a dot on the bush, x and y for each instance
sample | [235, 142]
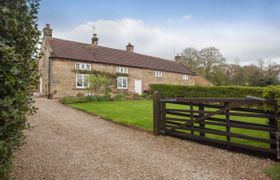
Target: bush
[119, 97]
[18, 74]
[83, 99]
[272, 92]
[205, 91]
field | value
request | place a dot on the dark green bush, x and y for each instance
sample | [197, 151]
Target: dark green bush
[204, 91]
[83, 99]
[19, 36]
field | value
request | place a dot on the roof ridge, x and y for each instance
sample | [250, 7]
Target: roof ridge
[69, 41]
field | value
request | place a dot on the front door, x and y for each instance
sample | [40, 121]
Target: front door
[138, 86]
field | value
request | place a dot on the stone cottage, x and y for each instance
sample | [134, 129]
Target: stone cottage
[66, 65]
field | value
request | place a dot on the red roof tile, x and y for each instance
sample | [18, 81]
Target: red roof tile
[98, 54]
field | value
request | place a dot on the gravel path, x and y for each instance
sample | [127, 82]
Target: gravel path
[64, 143]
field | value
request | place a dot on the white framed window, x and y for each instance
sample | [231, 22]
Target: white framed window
[158, 74]
[122, 70]
[122, 82]
[82, 81]
[185, 77]
[83, 66]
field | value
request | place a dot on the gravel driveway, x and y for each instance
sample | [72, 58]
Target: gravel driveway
[64, 143]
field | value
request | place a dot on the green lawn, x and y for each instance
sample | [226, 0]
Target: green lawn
[135, 113]
[138, 113]
[274, 172]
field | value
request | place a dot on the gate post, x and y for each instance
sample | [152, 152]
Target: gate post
[273, 122]
[201, 123]
[157, 113]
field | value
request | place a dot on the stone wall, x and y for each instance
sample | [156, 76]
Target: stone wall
[43, 68]
[63, 77]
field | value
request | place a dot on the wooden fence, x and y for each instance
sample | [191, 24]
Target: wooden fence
[232, 123]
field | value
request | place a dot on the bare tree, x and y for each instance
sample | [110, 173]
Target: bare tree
[190, 58]
[210, 58]
[203, 61]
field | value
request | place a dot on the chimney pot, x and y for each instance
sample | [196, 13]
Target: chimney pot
[129, 47]
[94, 39]
[47, 31]
[178, 58]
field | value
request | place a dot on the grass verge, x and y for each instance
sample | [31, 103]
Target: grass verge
[138, 113]
[274, 172]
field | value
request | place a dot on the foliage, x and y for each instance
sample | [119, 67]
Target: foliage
[18, 77]
[83, 99]
[119, 97]
[210, 63]
[272, 92]
[100, 84]
[205, 91]
[274, 172]
[202, 61]
[95, 72]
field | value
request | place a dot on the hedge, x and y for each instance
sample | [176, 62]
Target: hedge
[168, 90]
[19, 51]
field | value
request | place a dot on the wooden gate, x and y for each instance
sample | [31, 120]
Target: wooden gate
[232, 123]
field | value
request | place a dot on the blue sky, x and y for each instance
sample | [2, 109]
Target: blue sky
[226, 24]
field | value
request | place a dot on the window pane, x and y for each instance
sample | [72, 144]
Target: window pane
[124, 82]
[77, 66]
[79, 80]
[86, 84]
[119, 82]
[88, 66]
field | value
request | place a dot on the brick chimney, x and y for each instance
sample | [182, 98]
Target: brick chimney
[178, 58]
[129, 47]
[47, 31]
[94, 40]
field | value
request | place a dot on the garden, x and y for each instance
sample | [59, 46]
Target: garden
[137, 111]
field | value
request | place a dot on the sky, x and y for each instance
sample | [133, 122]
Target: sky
[243, 30]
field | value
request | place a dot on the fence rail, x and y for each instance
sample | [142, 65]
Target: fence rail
[229, 122]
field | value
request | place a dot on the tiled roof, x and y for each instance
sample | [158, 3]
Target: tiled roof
[98, 54]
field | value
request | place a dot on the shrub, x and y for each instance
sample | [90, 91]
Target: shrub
[18, 74]
[83, 99]
[272, 92]
[119, 97]
[100, 84]
[205, 91]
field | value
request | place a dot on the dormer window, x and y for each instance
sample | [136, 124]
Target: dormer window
[185, 77]
[122, 70]
[158, 74]
[83, 66]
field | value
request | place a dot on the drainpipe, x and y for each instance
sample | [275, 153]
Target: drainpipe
[49, 78]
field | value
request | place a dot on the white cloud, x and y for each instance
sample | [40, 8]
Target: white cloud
[243, 42]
